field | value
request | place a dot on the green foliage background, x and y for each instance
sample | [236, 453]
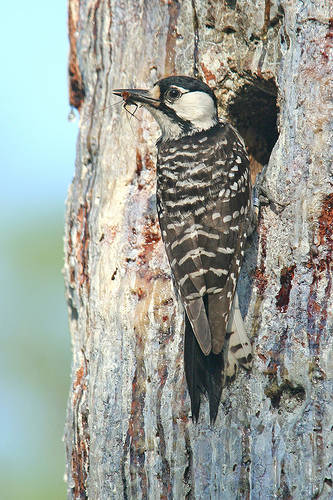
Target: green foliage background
[34, 357]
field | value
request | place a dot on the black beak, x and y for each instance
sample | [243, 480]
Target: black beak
[134, 96]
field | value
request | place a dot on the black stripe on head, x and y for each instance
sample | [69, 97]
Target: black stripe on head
[186, 82]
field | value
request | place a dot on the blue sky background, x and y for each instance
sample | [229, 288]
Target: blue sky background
[37, 153]
[37, 141]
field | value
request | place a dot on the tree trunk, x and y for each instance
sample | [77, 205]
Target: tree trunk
[128, 432]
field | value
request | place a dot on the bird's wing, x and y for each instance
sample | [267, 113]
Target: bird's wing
[205, 247]
[185, 256]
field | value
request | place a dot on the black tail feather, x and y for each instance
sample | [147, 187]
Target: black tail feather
[203, 374]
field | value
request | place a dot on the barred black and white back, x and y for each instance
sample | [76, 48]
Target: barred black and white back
[203, 198]
[203, 204]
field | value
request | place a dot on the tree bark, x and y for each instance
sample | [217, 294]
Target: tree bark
[128, 430]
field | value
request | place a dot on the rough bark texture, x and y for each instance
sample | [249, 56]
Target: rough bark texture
[129, 433]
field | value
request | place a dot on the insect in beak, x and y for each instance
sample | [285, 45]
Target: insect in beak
[137, 96]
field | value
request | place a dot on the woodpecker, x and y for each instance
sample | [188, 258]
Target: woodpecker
[203, 204]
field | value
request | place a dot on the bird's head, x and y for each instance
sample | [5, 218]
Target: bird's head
[181, 105]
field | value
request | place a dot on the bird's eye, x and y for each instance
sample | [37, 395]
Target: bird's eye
[173, 94]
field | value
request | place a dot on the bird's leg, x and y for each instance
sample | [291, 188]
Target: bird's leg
[130, 112]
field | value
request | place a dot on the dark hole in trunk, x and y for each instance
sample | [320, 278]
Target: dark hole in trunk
[254, 113]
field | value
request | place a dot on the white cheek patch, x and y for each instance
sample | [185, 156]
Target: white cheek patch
[196, 107]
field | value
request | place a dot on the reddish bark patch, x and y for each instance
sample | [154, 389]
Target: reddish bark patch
[135, 439]
[79, 474]
[267, 15]
[208, 74]
[260, 278]
[173, 9]
[150, 165]
[78, 248]
[326, 223]
[82, 246]
[262, 357]
[139, 165]
[328, 41]
[165, 477]
[321, 264]
[81, 437]
[261, 281]
[71, 268]
[76, 87]
[111, 233]
[151, 235]
[79, 376]
[141, 294]
[329, 35]
[286, 278]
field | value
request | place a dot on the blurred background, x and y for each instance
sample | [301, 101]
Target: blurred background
[37, 148]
